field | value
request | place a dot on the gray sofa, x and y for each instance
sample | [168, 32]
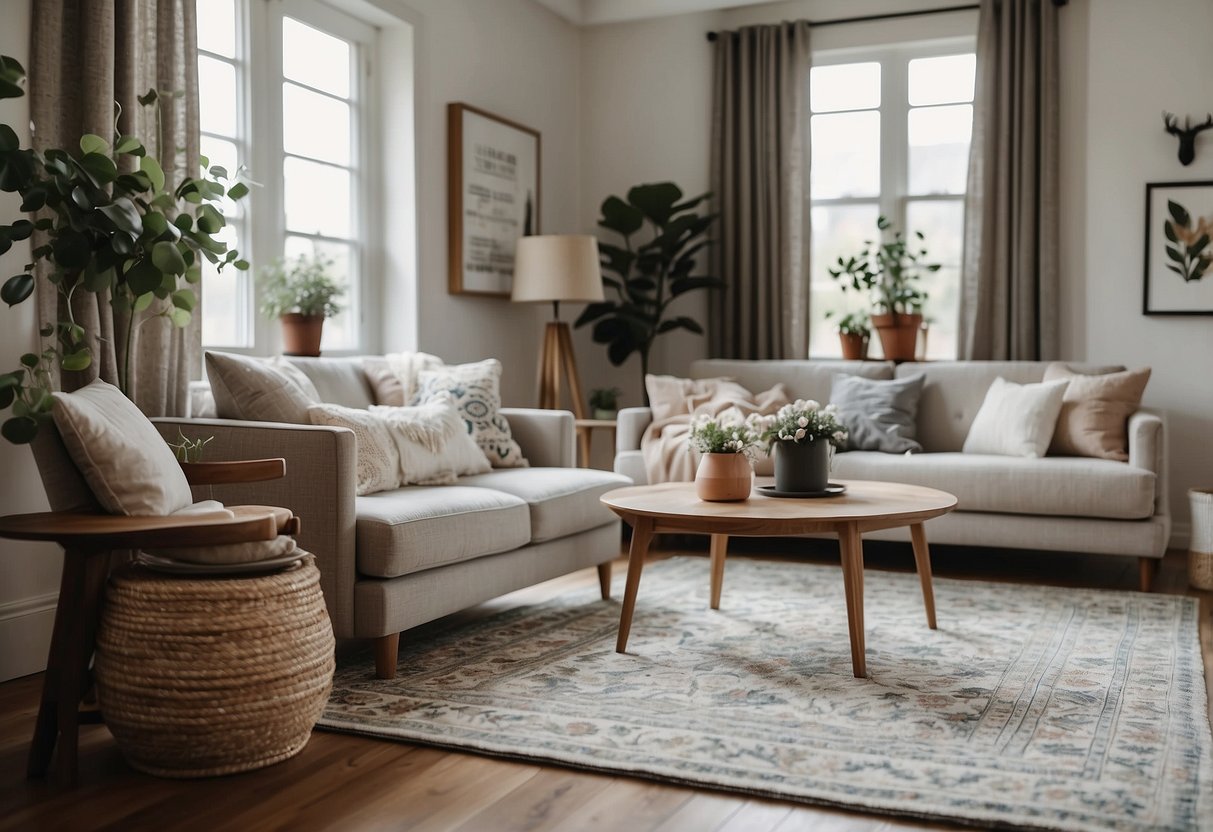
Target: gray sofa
[396, 559]
[1071, 504]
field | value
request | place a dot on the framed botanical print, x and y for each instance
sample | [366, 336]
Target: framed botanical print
[493, 198]
[1179, 253]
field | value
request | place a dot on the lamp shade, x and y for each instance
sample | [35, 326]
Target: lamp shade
[557, 267]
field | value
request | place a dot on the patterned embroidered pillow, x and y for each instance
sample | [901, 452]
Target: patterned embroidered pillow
[378, 458]
[476, 391]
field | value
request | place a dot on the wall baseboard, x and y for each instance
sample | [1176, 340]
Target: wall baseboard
[25, 635]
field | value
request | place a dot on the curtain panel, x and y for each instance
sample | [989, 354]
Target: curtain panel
[759, 181]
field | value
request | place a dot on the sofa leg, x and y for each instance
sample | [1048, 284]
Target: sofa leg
[386, 648]
[1147, 568]
[604, 580]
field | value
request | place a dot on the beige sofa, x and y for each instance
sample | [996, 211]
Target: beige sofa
[1070, 504]
[396, 559]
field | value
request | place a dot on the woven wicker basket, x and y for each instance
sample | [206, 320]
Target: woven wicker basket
[1200, 548]
[199, 677]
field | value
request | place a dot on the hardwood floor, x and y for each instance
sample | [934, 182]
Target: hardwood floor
[353, 783]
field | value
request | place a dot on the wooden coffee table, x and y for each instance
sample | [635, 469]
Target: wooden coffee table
[866, 506]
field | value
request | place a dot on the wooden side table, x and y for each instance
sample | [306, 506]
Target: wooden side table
[585, 430]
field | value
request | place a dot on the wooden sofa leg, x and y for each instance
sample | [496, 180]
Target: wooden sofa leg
[1147, 568]
[604, 580]
[386, 648]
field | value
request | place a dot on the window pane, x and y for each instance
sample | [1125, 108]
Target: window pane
[317, 198]
[846, 155]
[225, 310]
[217, 27]
[217, 96]
[941, 222]
[340, 332]
[315, 58]
[942, 80]
[224, 153]
[315, 125]
[942, 225]
[838, 231]
[939, 149]
[845, 87]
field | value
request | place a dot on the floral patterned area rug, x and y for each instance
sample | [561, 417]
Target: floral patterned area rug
[1030, 707]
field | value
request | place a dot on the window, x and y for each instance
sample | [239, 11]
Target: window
[890, 135]
[303, 137]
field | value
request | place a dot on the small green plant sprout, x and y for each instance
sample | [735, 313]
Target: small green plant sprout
[188, 450]
[605, 398]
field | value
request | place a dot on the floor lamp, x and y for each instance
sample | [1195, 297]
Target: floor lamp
[552, 268]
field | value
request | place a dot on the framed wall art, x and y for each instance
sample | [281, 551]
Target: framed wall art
[493, 198]
[1179, 250]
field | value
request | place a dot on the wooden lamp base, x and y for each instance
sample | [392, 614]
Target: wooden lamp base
[556, 361]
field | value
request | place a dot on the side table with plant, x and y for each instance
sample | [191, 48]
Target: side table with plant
[604, 402]
[727, 447]
[801, 435]
[301, 292]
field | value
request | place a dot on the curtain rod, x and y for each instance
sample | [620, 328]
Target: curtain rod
[814, 24]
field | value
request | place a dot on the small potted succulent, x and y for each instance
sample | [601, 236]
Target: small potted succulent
[604, 401]
[800, 435]
[301, 292]
[855, 334]
[726, 446]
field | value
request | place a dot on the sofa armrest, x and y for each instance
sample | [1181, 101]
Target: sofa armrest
[547, 437]
[1148, 449]
[630, 426]
[319, 487]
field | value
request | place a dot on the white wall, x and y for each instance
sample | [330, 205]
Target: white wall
[29, 572]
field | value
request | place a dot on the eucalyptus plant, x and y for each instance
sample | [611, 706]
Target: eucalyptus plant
[113, 227]
[648, 275]
[887, 271]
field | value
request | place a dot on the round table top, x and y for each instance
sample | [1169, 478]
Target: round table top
[869, 503]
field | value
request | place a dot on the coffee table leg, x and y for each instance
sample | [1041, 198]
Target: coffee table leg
[922, 557]
[852, 579]
[720, 546]
[642, 534]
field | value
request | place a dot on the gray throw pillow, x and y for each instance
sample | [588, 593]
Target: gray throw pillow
[879, 415]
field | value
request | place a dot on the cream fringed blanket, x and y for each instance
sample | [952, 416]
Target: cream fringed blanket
[675, 402]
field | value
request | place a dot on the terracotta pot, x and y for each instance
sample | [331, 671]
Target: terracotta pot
[854, 346]
[301, 334]
[898, 334]
[802, 466]
[723, 478]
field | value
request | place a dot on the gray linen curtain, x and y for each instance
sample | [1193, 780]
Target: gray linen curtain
[1010, 274]
[759, 179]
[85, 56]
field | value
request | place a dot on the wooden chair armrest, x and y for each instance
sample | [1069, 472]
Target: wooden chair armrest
[107, 531]
[224, 473]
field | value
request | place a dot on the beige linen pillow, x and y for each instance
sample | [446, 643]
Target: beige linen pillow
[1016, 419]
[433, 441]
[121, 455]
[475, 390]
[258, 390]
[670, 395]
[378, 459]
[1095, 412]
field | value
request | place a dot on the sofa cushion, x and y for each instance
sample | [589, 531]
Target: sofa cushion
[258, 389]
[420, 527]
[562, 501]
[337, 380]
[1064, 486]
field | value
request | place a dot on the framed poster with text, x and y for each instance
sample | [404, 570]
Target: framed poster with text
[493, 198]
[1179, 249]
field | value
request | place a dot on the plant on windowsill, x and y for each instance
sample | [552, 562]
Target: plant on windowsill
[854, 333]
[112, 228]
[889, 273]
[604, 401]
[301, 292]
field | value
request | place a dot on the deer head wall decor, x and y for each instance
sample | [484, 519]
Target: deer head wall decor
[1187, 134]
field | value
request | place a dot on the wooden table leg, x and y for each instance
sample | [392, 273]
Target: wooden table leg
[720, 545]
[922, 557]
[852, 578]
[604, 580]
[583, 447]
[642, 534]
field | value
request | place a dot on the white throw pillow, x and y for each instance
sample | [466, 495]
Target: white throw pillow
[1016, 419]
[433, 441]
[476, 391]
[378, 459]
[259, 390]
[121, 455]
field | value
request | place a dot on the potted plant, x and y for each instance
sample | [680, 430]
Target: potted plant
[889, 273]
[604, 401]
[301, 292]
[726, 446]
[855, 333]
[650, 274]
[801, 435]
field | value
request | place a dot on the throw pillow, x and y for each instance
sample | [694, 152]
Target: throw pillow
[1095, 412]
[1016, 419]
[121, 455]
[879, 415]
[433, 441]
[671, 395]
[476, 391]
[378, 458]
[258, 390]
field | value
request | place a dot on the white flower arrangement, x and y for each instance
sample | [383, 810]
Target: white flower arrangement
[726, 435]
[804, 421]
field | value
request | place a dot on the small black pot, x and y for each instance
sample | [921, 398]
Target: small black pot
[802, 466]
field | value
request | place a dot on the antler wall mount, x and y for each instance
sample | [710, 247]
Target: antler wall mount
[1187, 134]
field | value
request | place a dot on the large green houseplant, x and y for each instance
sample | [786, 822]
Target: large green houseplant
[646, 276]
[113, 226]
